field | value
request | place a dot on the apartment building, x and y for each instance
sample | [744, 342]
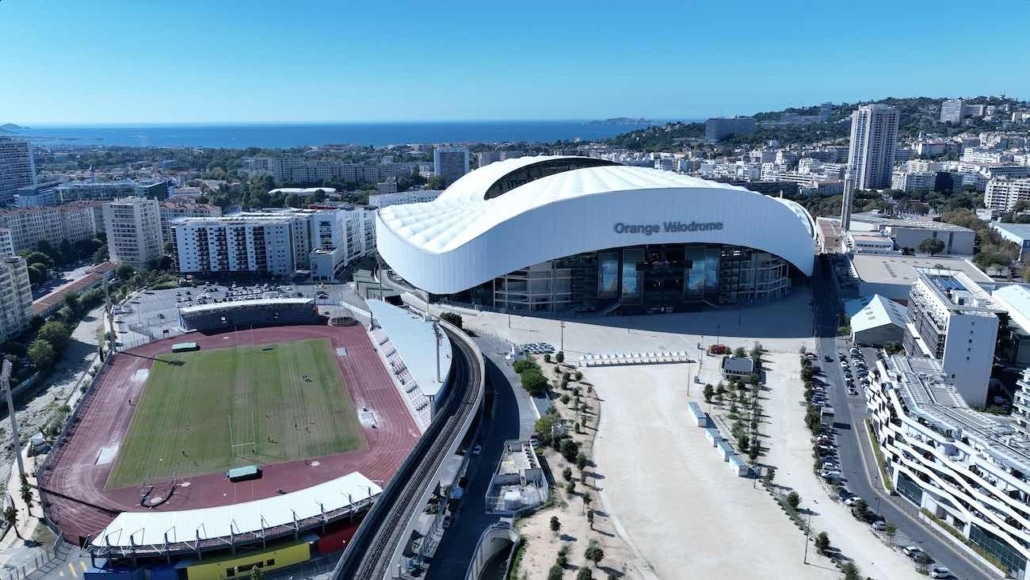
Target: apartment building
[133, 228]
[109, 190]
[17, 167]
[450, 163]
[15, 292]
[54, 224]
[301, 170]
[874, 134]
[252, 243]
[416, 196]
[913, 181]
[173, 210]
[339, 238]
[36, 195]
[954, 320]
[952, 111]
[1003, 194]
[967, 469]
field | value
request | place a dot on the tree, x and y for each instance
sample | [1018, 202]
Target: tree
[770, 475]
[793, 500]
[590, 517]
[72, 302]
[567, 474]
[534, 383]
[709, 392]
[39, 258]
[68, 251]
[555, 573]
[739, 352]
[570, 486]
[26, 494]
[822, 542]
[859, 508]
[11, 517]
[555, 525]
[42, 354]
[569, 450]
[587, 500]
[890, 530]
[452, 318]
[56, 333]
[124, 271]
[544, 427]
[584, 574]
[594, 552]
[560, 357]
[931, 246]
[581, 461]
[851, 571]
[37, 274]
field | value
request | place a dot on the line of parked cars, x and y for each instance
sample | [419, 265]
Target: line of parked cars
[538, 348]
[854, 370]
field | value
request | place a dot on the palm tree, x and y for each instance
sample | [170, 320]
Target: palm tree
[11, 517]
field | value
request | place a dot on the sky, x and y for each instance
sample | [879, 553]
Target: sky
[292, 61]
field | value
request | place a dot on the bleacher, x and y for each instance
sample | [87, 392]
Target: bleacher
[418, 404]
[251, 313]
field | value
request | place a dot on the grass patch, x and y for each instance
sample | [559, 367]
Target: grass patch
[516, 562]
[180, 425]
[878, 453]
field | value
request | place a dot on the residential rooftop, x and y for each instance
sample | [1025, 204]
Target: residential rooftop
[909, 222]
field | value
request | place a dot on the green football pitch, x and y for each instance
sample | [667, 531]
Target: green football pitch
[212, 410]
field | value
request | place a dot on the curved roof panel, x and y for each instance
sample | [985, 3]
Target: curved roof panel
[468, 240]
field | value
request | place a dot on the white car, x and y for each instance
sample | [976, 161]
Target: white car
[911, 551]
[940, 572]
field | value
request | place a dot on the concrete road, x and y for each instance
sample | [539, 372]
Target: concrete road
[458, 544]
[856, 457]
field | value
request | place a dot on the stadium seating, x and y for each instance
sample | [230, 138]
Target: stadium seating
[250, 313]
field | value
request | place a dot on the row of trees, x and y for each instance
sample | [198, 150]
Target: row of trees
[47, 256]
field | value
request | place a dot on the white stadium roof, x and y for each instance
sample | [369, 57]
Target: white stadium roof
[462, 239]
[157, 528]
[216, 306]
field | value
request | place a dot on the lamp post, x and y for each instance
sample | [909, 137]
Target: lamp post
[561, 347]
[808, 534]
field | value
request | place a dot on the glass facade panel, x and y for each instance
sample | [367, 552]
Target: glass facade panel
[630, 276]
[1008, 555]
[608, 275]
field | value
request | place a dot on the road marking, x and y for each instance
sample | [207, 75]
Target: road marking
[72, 568]
[82, 564]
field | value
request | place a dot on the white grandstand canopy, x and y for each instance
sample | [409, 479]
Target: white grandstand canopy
[415, 341]
[156, 528]
[462, 239]
[245, 303]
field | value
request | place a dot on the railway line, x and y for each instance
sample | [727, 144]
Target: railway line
[369, 556]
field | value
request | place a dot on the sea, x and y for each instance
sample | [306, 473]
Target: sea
[283, 136]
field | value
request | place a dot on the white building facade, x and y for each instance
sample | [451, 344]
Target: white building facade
[954, 320]
[133, 228]
[451, 163]
[17, 167]
[967, 469]
[1004, 194]
[15, 292]
[874, 134]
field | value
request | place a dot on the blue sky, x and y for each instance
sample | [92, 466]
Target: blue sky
[145, 61]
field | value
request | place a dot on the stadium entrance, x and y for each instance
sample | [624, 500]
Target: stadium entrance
[641, 279]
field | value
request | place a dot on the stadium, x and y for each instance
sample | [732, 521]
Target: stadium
[242, 444]
[561, 233]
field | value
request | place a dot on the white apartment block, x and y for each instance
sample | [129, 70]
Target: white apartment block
[951, 111]
[133, 228]
[17, 167]
[173, 210]
[1004, 194]
[966, 468]
[238, 243]
[874, 132]
[339, 238]
[15, 292]
[954, 320]
[54, 224]
[301, 170]
[978, 155]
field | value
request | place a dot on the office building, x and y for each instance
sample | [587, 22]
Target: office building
[968, 469]
[17, 168]
[874, 132]
[952, 111]
[133, 228]
[1003, 194]
[450, 163]
[952, 319]
[15, 291]
[553, 233]
[721, 128]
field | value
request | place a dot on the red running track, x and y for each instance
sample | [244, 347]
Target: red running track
[104, 420]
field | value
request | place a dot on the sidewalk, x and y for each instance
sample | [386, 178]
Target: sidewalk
[28, 520]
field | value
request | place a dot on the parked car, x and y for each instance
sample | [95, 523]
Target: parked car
[447, 521]
[828, 358]
[940, 572]
[911, 551]
[879, 526]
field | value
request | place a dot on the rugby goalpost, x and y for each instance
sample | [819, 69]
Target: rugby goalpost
[252, 443]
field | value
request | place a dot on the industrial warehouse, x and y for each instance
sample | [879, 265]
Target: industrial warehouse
[556, 233]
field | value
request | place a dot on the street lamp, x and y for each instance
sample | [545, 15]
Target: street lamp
[561, 348]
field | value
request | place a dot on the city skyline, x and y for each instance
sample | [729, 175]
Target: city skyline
[322, 63]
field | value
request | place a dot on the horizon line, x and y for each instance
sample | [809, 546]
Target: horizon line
[134, 124]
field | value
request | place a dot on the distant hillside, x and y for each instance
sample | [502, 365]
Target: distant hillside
[917, 114]
[10, 127]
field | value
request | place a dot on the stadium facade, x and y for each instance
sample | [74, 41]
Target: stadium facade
[578, 233]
